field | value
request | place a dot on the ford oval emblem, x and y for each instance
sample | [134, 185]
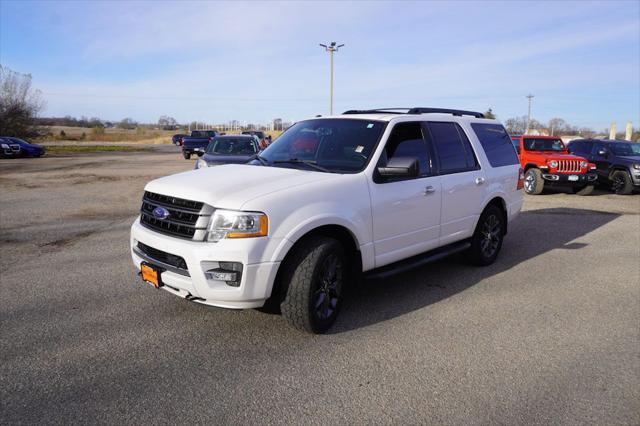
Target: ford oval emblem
[160, 213]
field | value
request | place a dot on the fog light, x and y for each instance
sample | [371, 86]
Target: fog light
[229, 272]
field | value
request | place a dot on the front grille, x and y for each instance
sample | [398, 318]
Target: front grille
[164, 257]
[15, 148]
[187, 219]
[569, 166]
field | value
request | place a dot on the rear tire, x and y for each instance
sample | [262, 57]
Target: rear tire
[315, 277]
[186, 155]
[533, 182]
[486, 241]
[621, 183]
[583, 190]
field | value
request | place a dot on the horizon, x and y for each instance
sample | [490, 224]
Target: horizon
[254, 62]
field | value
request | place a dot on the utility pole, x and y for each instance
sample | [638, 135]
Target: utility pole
[529, 96]
[331, 49]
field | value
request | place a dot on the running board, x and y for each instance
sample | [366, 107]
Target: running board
[417, 261]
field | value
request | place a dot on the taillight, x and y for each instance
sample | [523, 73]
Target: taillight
[520, 178]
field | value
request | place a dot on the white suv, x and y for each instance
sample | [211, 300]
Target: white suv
[332, 198]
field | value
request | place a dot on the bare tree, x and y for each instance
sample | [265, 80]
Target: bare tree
[557, 126]
[127, 123]
[20, 104]
[167, 123]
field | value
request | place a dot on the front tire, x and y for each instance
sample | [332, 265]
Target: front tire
[486, 241]
[583, 190]
[533, 182]
[621, 183]
[315, 276]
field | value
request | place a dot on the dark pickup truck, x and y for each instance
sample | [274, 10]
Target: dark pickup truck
[197, 142]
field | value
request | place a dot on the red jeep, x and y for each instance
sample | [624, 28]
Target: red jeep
[546, 162]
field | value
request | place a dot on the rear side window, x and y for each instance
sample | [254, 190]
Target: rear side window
[452, 147]
[496, 144]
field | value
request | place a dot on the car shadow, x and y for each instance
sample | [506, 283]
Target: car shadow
[535, 232]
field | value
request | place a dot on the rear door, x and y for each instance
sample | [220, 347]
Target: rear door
[462, 181]
[406, 212]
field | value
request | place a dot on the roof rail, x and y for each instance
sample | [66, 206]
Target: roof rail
[416, 110]
[377, 111]
[445, 111]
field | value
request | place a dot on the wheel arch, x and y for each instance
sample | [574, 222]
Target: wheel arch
[501, 204]
[617, 168]
[338, 232]
[530, 166]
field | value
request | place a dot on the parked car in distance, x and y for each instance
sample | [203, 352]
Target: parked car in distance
[231, 149]
[547, 163]
[177, 139]
[9, 149]
[263, 139]
[617, 162]
[27, 149]
[373, 192]
[197, 142]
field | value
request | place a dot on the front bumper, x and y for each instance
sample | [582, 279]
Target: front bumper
[570, 179]
[257, 276]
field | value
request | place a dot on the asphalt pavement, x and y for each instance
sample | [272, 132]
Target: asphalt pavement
[548, 334]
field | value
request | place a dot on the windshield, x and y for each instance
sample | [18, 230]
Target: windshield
[232, 146]
[335, 144]
[543, 144]
[624, 149]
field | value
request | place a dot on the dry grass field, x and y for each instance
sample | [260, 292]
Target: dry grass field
[66, 135]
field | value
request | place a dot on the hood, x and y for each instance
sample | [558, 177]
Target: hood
[227, 159]
[231, 185]
[629, 160]
[550, 155]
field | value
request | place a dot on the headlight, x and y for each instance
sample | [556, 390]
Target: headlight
[234, 224]
[4, 145]
[553, 164]
[636, 166]
[201, 164]
[584, 164]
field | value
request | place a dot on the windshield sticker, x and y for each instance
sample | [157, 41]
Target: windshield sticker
[359, 149]
[370, 126]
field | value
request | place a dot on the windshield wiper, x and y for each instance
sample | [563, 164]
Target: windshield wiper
[310, 163]
[261, 159]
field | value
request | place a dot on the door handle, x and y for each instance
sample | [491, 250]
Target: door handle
[479, 180]
[429, 190]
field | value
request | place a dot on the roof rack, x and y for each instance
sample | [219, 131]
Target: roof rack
[416, 110]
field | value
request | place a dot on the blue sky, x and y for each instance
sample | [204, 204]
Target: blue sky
[217, 61]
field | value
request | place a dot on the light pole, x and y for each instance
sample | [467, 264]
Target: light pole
[529, 96]
[331, 48]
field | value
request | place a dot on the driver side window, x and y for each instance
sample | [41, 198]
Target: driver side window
[407, 140]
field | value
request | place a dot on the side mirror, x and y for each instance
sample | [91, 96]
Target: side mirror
[400, 167]
[603, 153]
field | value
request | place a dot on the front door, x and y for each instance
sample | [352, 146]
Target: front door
[406, 213]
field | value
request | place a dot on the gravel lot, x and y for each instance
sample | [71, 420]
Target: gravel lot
[548, 334]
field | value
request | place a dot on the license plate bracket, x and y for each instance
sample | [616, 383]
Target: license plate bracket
[151, 274]
[573, 178]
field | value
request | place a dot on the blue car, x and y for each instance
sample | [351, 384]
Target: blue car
[27, 149]
[229, 149]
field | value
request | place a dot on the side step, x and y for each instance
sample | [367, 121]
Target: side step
[417, 261]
